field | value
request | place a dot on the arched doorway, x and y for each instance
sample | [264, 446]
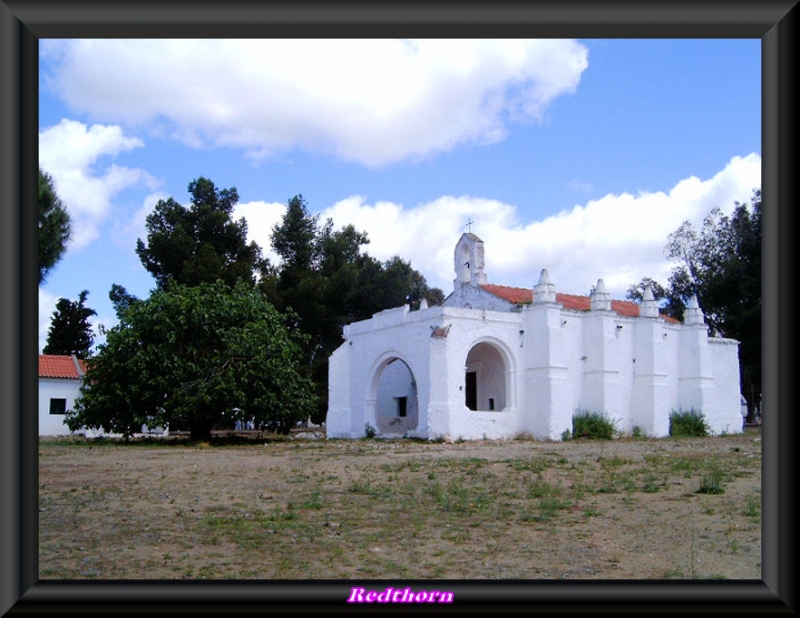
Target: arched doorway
[485, 386]
[396, 402]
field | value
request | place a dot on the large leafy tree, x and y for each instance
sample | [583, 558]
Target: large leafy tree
[327, 280]
[721, 264]
[54, 225]
[70, 330]
[199, 243]
[121, 299]
[196, 357]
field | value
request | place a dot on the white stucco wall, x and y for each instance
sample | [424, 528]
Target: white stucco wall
[723, 413]
[55, 388]
[540, 363]
[551, 365]
[339, 420]
[671, 337]
[471, 297]
[483, 341]
[69, 389]
[356, 367]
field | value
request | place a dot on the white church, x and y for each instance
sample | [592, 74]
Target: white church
[500, 362]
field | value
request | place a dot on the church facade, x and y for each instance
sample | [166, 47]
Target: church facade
[499, 362]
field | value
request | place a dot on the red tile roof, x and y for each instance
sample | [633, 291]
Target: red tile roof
[518, 296]
[61, 366]
[569, 301]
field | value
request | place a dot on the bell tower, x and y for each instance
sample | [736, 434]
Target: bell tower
[468, 260]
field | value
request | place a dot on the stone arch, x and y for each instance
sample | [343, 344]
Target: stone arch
[393, 401]
[488, 377]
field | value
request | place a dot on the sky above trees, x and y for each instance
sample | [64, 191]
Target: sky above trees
[579, 156]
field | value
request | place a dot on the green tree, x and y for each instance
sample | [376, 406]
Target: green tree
[295, 238]
[721, 264]
[398, 284]
[70, 331]
[121, 299]
[669, 303]
[201, 243]
[196, 357]
[327, 280]
[54, 226]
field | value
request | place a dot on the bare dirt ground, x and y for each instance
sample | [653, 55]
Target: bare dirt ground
[314, 509]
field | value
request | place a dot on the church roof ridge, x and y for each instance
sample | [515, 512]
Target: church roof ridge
[576, 302]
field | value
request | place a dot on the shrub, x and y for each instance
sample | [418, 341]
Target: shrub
[753, 507]
[687, 424]
[711, 483]
[369, 431]
[593, 426]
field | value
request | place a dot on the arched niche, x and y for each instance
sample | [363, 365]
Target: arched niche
[395, 397]
[486, 378]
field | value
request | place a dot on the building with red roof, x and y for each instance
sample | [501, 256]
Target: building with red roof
[496, 361]
[60, 379]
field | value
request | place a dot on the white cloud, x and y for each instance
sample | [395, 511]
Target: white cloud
[261, 217]
[128, 231]
[579, 186]
[619, 238]
[369, 101]
[74, 155]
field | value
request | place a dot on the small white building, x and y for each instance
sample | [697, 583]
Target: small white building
[496, 362]
[60, 379]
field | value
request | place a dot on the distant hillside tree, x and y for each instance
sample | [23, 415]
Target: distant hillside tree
[70, 330]
[201, 243]
[54, 226]
[196, 357]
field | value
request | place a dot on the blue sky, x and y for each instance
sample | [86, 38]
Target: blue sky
[578, 156]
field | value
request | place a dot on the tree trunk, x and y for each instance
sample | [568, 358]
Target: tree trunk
[200, 431]
[751, 403]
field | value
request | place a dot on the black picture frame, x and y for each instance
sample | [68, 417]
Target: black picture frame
[24, 22]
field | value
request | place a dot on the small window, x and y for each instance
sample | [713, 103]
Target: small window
[402, 406]
[58, 406]
[491, 403]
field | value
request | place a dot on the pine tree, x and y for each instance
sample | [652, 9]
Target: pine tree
[201, 243]
[54, 226]
[326, 280]
[70, 331]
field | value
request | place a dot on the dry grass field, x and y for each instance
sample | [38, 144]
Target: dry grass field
[282, 508]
